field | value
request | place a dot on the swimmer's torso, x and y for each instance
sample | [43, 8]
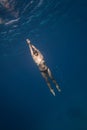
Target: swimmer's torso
[38, 59]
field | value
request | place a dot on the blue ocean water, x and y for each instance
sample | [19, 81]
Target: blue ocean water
[59, 30]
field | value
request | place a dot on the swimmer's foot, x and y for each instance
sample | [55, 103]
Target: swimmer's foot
[58, 88]
[52, 91]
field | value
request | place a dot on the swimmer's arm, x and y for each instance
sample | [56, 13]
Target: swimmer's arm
[31, 50]
[33, 47]
[37, 50]
[30, 46]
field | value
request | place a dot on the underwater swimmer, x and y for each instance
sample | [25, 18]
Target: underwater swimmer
[45, 71]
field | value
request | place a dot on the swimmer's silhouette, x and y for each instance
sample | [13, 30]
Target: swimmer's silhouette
[45, 71]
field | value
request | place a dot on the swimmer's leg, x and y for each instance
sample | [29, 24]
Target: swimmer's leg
[54, 81]
[45, 76]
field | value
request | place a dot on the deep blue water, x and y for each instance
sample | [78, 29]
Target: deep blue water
[59, 30]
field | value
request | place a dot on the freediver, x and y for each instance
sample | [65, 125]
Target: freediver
[45, 71]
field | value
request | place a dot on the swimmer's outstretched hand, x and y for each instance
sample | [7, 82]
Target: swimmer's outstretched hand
[28, 41]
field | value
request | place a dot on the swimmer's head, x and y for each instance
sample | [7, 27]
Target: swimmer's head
[35, 52]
